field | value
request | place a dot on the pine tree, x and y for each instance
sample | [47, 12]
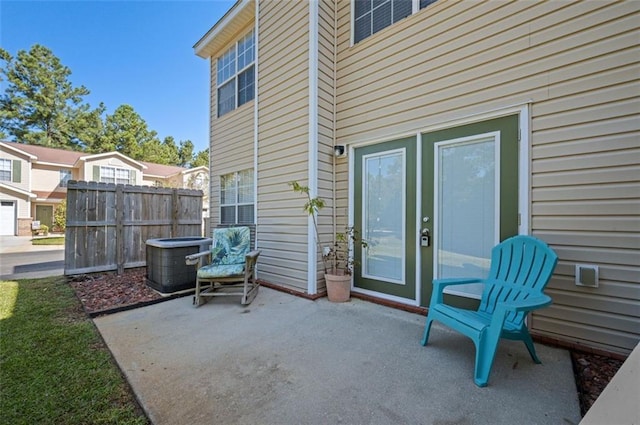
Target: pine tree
[40, 105]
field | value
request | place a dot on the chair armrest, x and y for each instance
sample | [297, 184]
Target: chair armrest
[503, 308]
[196, 258]
[253, 255]
[529, 304]
[440, 284]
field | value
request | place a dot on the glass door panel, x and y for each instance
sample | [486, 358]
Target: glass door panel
[467, 198]
[467, 212]
[384, 224]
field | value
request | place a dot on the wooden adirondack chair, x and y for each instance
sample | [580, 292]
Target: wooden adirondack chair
[521, 267]
[228, 268]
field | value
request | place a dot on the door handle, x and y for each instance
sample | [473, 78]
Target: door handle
[425, 237]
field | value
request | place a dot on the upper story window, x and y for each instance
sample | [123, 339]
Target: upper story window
[115, 175]
[65, 176]
[236, 198]
[5, 170]
[235, 79]
[371, 16]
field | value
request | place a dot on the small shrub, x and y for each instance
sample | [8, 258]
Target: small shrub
[60, 216]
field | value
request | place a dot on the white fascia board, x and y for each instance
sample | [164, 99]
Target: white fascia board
[219, 26]
[17, 190]
[54, 164]
[18, 151]
[116, 154]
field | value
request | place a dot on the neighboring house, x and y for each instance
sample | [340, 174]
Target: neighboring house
[33, 180]
[462, 123]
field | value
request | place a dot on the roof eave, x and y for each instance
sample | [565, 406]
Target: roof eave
[18, 151]
[107, 154]
[211, 42]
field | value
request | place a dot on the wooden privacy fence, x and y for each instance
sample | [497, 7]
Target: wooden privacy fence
[108, 224]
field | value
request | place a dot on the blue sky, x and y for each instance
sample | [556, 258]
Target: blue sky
[138, 53]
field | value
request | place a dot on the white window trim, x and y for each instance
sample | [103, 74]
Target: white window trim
[415, 8]
[10, 179]
[115, 174]
[237, 72]
[237, 204]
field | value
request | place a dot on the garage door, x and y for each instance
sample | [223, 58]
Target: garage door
[7, 218]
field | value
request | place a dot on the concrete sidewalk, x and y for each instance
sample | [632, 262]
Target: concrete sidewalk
[287, 360]
[20, 259]
[15, 244]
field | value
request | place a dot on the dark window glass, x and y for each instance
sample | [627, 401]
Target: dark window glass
[425, 3]
[401, 9]
[246, 86]
[228, 215]
[371, 16]
[362, 7]
[381, 17]
[226, 98]
[362, 28]
[245, 214]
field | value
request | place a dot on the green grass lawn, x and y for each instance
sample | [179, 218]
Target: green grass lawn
[52, 240]
[54, 367]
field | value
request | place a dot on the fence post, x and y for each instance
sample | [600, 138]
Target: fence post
[120, 228]
[175, 208]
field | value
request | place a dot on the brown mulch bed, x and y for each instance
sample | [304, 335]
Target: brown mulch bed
[108, 292]
[592, 373]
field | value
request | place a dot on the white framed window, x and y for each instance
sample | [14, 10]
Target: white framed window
[371, 16]
[237, 198]
[235, 78]
[115, 175]
[5, 169]
[65, 176]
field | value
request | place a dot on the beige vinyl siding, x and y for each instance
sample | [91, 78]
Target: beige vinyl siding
[46, 178]
[326, 123]
[283, 155]
[231, 147]
[576, 63]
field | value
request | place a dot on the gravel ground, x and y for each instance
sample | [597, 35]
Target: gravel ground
[105, 292]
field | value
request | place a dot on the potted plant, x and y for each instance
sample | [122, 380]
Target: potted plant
[337, 258]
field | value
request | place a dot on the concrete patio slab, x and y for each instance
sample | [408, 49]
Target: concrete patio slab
[286, 360]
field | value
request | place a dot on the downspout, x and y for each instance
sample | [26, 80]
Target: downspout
[312, 250]
[255, 125]
[333, 118]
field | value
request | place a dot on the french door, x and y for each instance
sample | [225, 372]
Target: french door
[435, 214]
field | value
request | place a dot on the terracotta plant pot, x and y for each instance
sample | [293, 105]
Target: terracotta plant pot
[338, 287]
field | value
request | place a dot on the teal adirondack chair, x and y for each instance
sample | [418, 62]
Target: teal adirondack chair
[521, 267]
[228, 268]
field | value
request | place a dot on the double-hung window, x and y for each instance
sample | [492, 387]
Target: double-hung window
[236, 75]
[371, 16]
[115, 175]
[5, 170]
[237, 198]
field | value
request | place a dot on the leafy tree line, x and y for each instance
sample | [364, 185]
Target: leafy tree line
[40, 106]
